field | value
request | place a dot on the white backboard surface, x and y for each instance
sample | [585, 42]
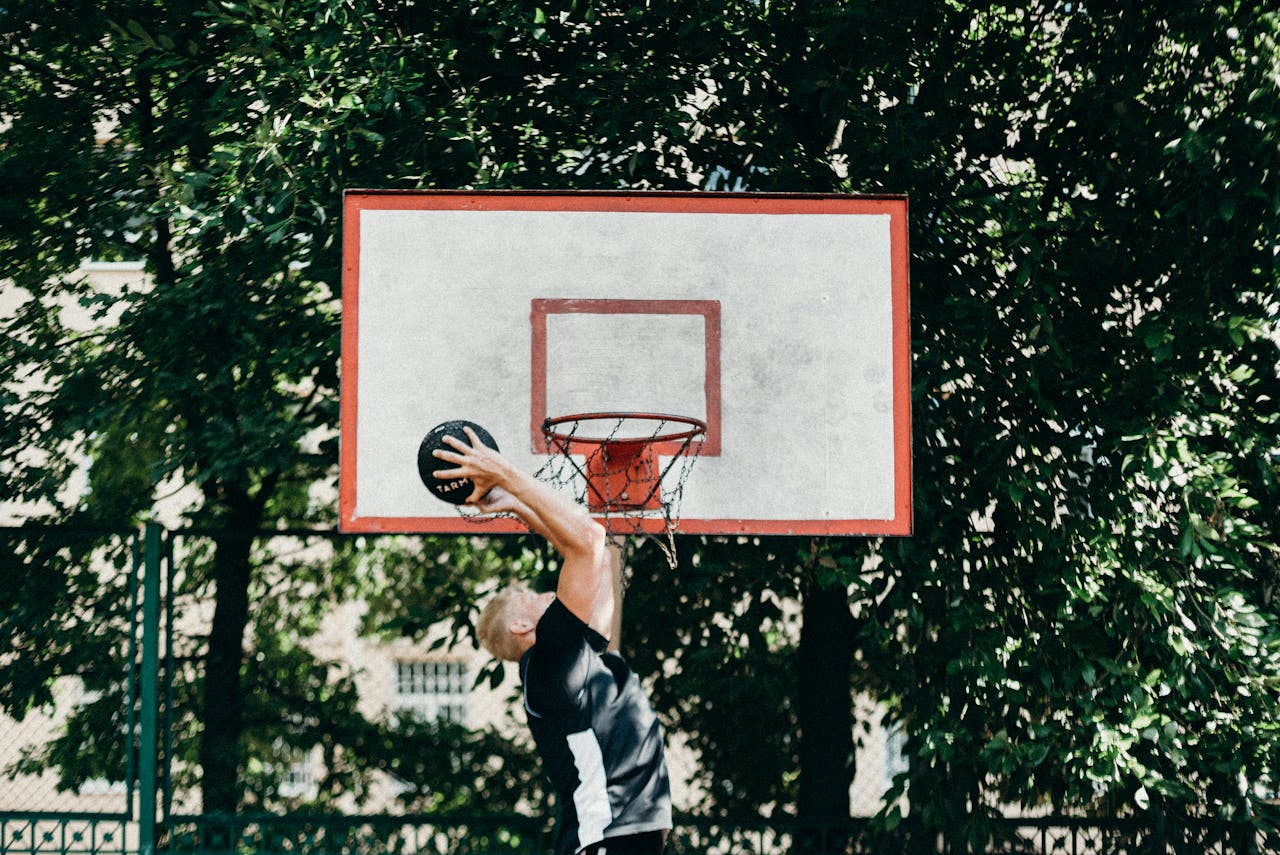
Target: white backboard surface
[780, 320]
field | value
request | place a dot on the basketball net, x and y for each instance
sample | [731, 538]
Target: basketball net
[629, 469]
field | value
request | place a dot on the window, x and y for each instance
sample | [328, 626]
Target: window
[431, 690]
[895, 752]
[300, 779]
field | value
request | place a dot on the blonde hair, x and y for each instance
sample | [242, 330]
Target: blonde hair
[494, 626]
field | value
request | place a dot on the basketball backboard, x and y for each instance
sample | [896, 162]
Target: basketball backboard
[781, 321]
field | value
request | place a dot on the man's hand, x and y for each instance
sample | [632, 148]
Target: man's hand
[485, 467]
[499, 501]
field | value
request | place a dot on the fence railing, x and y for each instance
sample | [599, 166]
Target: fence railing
[67, 834]
[459, 834]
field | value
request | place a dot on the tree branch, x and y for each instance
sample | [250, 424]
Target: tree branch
[49, 72]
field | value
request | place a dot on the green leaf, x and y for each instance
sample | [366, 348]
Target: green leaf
[1227, 207]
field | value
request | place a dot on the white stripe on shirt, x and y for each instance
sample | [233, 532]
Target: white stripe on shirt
[591, 797]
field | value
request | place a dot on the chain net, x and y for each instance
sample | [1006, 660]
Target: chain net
[628, 468]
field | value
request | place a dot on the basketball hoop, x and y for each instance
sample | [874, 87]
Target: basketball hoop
[613, 463]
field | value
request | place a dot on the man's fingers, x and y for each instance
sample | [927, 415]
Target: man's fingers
[455, 442]
[444, 454]
[470, 465]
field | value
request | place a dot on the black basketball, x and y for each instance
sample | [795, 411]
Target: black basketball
[453, 490]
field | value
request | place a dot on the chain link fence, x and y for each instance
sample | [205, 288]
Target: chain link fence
[69, 690]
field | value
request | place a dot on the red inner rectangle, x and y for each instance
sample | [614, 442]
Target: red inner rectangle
[708, 309]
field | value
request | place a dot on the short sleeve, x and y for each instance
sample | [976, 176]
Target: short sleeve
[555, 672]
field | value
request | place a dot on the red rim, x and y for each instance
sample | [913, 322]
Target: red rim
[696, 427]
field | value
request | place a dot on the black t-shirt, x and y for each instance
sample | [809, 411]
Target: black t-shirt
[600, 742]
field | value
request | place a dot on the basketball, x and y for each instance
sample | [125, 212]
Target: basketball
[456, 490]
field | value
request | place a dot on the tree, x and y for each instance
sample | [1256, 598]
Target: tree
[1093, 199]
[213, 141]
[1108, 358]
[1093, 220]
[1084, 616]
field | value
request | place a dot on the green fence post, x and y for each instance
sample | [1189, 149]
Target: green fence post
[150, 673]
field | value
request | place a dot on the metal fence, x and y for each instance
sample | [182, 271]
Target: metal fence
[67, 834]
[521, 835]
[110, 813]
[25, 785]
[356, 835]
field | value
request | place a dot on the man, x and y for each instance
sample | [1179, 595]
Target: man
[600, 742]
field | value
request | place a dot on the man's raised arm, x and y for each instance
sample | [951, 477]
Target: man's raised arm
[585, 586]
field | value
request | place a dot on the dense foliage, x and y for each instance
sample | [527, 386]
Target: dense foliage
[1085, 616]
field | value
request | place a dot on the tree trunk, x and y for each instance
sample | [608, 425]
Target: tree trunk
[223, 703]
[825, 710]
